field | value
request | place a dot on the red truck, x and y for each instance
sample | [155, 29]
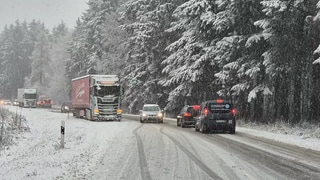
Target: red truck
[97, 97]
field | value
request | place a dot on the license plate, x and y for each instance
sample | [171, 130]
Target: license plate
[221, 121]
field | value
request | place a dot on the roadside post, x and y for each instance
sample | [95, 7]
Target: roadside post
[62, 134]
[67, 108]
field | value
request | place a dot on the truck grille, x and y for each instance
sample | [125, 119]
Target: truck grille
[108, 105]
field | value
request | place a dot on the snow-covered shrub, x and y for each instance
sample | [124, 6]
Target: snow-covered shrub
[11, 125]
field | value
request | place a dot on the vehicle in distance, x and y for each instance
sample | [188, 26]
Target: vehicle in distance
[187, 116]
[66, 107]
[44, 102]
[6, 102]
[27, 97]
[216, 115]
[151, 113]
[15, 102]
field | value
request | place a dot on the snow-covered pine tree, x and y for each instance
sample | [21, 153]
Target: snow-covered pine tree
[59, 83]
[145, 24]
[286, 58]
[77, 64]
[189, 77]
[16, 47]
[40, 69]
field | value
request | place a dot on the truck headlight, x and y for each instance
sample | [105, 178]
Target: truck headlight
[96, 111]
[119, 111]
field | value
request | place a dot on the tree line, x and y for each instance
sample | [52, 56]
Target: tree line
[260, 54]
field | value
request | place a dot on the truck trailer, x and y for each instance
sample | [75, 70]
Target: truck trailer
[97, 97]
[27, 97]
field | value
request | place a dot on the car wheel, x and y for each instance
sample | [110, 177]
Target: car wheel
[141, 120]
[196, 129]
[178, 124]
[232, 131]
[181, 124]
[204, 129]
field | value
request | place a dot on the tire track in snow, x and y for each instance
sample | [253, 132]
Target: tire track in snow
[145, 174]
[193, 158]
[265, 159]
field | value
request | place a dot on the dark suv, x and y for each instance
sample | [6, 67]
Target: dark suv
[216, 115]
[187, 116]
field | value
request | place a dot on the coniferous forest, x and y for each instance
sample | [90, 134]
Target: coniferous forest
[263, 55]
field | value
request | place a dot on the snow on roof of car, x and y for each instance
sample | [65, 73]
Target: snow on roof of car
[150, 105]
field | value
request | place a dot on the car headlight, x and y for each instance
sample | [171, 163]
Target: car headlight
[159, 115]
[230, 121]
[144, 114]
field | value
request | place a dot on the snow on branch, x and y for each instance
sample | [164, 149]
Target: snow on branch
[261, 88]
[253, 39]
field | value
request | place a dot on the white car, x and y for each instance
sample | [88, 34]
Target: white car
[151, 112]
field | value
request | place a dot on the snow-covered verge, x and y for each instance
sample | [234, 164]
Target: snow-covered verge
[12, 126]
[36, 154]
[304, 135]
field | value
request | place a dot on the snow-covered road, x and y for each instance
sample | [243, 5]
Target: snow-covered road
[131, 150]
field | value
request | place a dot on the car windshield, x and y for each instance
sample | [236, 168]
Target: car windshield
[151, 108]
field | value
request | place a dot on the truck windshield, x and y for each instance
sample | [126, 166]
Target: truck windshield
[108, 90]
[30, 96]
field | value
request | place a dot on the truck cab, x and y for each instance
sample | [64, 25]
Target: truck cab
[97, 97]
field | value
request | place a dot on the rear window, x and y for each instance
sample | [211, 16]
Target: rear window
[193, 111]
[220, 107]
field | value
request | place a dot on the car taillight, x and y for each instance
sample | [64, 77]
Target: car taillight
[234, 111]
[196, 107]
[220, 101]
[187, 114]
[206, 111]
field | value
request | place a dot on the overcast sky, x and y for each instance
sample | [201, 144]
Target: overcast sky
[50, 12]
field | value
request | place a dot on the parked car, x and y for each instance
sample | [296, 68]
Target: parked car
[151, 112]
[66, 107]
[187, 115]
[216, 115]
